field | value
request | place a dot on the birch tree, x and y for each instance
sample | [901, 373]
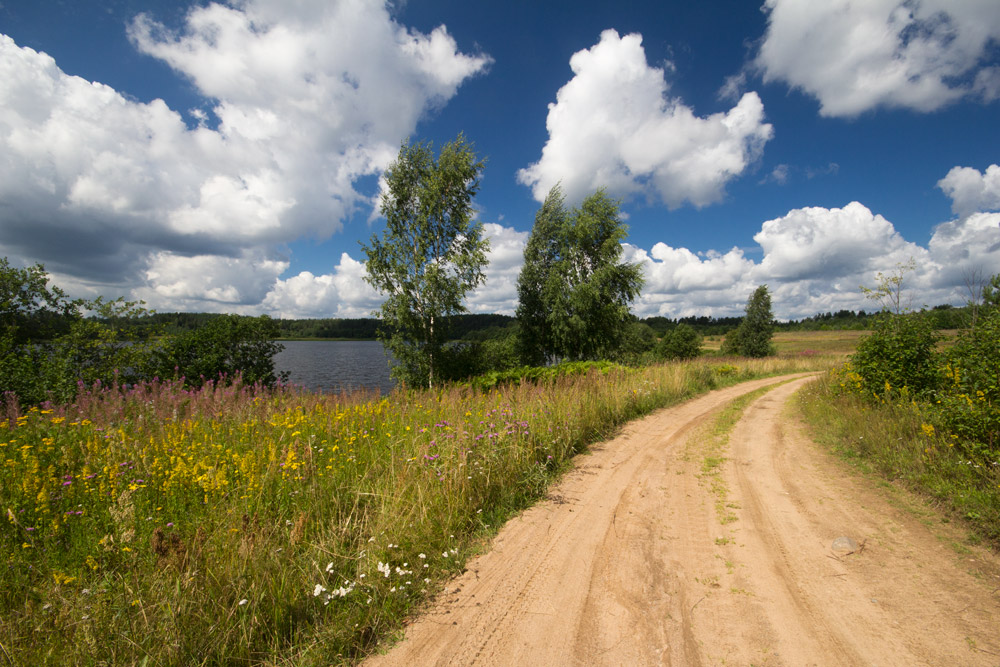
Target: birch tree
[430, 255]
[574, 291]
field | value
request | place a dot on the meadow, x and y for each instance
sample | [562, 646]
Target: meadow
[836, 342]
[238, 525]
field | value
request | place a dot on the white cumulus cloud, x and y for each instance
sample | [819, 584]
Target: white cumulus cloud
[506, 257]
[854, 56]
[342, 293]
[614, 125]
[305, 98]
[814, 260]
[971, 190]
[818, 242]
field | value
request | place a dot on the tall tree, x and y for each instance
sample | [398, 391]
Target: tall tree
[430, 254]
[574, 291]
[752, 338]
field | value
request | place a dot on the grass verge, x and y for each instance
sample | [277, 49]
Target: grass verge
[892, 440]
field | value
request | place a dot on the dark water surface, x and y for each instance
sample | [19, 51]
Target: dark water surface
[334, 365]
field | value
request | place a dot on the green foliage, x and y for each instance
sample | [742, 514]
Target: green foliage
[573, 291]
[970, 406]
[991, 292]
[430, 254]
[955, 391]
[683, 342]
[901, 352]
[637, 344]
[49, 349]
[468, 358]
[541, 374]
[752, 338]
[222, 349]
[29, 308]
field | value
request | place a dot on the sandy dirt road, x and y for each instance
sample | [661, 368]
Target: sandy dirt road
[658, 550]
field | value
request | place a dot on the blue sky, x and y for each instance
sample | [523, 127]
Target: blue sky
[226, 156]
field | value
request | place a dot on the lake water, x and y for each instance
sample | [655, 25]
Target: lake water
[334, 365]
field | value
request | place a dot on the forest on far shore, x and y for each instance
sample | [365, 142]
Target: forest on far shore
[487, 326]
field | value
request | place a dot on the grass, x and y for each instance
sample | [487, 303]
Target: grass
[234, 525]
[713, 445]
[892, 440]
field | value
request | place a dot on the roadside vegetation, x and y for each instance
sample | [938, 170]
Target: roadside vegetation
[239, 524]
[919, 412]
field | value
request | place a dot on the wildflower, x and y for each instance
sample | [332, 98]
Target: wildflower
[317, 590]
[243, 602]
[329, 566]
[384, 568]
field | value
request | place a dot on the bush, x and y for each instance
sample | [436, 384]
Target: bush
[48, 348]
[638, 340]
[465, 359]
[683, 342]
[226, 347]
[967, 406]
[899, 353]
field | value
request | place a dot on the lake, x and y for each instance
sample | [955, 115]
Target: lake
[335, 365]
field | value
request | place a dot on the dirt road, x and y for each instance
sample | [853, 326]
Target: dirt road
[660, 548]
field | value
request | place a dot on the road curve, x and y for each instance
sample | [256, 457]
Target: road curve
[656, 550]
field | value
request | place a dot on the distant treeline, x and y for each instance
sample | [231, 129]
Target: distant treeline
[484, 327]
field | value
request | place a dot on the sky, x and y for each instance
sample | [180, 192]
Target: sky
[226, 156]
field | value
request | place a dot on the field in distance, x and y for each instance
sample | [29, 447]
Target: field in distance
[799, 342]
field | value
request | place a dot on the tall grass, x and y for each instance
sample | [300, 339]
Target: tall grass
[895, 439]
[237, 525]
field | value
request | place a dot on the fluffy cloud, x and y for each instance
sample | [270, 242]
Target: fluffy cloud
[209, 282]
[308, 98]
[856, 56]
[506, 257]
[343, 293]
[818, 242]
[614, 126]
[814, 260]
[972, 191]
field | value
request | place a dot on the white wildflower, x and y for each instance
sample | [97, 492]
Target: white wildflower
[319, 589]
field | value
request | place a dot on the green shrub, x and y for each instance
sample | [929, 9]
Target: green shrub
[899, 353]
[967, 405]
[227, 346]
[683, 342]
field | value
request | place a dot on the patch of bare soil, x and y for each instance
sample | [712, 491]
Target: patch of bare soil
[647, 556]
